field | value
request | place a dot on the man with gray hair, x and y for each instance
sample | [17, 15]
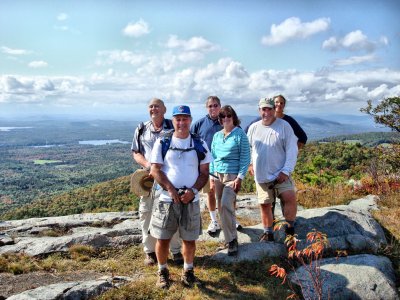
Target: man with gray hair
[180, 165]
[145, 135]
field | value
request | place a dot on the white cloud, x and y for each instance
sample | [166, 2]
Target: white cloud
[38, 64]
[353, 41]
[136, 29]
[196, 43]
[226, 78]
[384, 40]
[354, 60]
[62, 17]
[11, 51]
[293, 28]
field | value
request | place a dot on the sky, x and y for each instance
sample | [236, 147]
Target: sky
[107, 59]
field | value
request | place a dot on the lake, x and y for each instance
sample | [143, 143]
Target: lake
[102, 142]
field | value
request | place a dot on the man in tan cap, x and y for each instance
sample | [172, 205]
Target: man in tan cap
[274, 154]
[145, 135]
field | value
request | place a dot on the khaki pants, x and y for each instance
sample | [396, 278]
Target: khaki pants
[226, 198]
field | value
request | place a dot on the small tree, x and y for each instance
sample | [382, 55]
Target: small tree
[386, 113]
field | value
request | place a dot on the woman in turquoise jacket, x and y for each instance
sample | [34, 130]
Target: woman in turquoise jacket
[231, 152]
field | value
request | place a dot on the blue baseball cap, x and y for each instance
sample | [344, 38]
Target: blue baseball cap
[181, 110]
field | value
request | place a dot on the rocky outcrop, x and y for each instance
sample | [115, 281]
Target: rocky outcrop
[97, 230]
[354, 277]
[80, 290]
[348, 227]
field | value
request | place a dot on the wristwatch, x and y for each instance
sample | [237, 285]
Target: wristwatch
[194, 190]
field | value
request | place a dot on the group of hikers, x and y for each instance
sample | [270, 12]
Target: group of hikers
[211, 156]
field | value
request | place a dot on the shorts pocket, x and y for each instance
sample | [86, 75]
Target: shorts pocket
[160, 214]
[193, 218]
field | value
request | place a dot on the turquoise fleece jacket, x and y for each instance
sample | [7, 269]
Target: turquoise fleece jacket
[231, 153]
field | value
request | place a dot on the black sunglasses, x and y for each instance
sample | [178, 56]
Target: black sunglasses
[222, 116]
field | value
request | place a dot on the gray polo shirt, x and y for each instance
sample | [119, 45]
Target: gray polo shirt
[144, 144]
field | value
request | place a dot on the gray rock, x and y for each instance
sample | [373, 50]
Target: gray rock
[125, 233]
[79, 290]
[354, 277]
[5, 239]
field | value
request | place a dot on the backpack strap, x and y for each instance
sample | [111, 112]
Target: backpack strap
[197, 145]
[140, 132]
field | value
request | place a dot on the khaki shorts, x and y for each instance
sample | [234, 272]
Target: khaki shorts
[168, 217]
[267, 191]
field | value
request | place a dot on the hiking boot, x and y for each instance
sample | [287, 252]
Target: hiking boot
[189, 279]
[163, 281]
[233, 247]
[239, 227]
[213, 228]
[151, 259]
[177, 258]
[289, 230]
[267, 237]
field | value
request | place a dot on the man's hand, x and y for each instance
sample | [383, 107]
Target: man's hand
[188, 196]
[237, 183]
[282, 177]
[173, 193]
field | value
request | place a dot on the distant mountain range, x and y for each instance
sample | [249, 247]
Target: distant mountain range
[316, 127]
[326, 126]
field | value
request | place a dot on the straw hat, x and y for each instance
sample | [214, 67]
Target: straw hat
[141, 183]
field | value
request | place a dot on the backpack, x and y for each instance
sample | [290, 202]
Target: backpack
[197, 145]
[167, 125]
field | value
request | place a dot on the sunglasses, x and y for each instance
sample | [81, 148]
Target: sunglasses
[222, 116]
[266, 108]
[215, 105]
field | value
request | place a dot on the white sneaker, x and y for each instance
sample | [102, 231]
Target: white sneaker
[213, 227]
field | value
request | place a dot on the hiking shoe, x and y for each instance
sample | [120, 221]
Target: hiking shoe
[238, 226]
[233, 247]
[177, 258]
[163, 281]
[213, 228]
[289, 230]
[267, 237]
[151, 259]
[189, 279]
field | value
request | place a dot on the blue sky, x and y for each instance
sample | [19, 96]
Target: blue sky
[108, 58]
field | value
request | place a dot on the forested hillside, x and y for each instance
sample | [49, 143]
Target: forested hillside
[323, 171]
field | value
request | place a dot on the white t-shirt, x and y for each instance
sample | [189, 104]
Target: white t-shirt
[181, 167]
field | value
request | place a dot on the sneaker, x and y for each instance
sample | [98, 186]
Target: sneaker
[189, 279]
[151, 259]
[289, 230]
[238, 226]
[267, 237]
[213, 227]
[233, 247]
[163, 281]
[177, 258]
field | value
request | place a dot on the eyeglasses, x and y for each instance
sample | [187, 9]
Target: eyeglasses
[222, 116]
[266, 108]
[215, 105]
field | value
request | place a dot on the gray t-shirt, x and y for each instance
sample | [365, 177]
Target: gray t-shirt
[273, 149]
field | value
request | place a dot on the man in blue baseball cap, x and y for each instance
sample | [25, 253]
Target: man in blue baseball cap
[180, 165]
